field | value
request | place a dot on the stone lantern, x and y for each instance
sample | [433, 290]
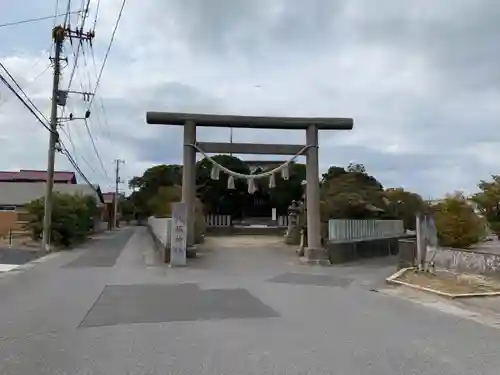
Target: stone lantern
[292, 236]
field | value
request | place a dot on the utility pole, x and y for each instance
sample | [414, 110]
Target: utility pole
[59, 34]
[117, 181]
[231, 138]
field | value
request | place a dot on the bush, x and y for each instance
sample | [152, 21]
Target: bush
[161, 204]
[199, 222]
[457, 223]
[72, 218]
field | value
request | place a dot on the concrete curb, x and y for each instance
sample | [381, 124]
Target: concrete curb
[392, 280]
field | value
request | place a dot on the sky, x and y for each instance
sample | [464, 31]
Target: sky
[421, 79]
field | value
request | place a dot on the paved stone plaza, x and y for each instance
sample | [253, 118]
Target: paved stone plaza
[107, 308]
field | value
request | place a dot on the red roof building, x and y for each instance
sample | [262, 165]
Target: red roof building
[7, 176]
[26, 175]
[108, 197]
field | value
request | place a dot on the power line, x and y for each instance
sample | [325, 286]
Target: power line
[84, 57]
[75, 165]
[75, 66]
[66, 15]
[44, 124]
[83, 12]
[97, 12]
[95, 148]
[89, 132]
[105, 128]
[107, 51]
[36, 19]
[29, 83]
[76, 55]
[67, 132]
[24, 93]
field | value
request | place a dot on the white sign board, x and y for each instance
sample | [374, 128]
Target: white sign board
[178, 236]
[274, 214]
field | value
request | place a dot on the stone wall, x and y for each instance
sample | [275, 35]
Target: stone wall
[472, 261]
[461, 260]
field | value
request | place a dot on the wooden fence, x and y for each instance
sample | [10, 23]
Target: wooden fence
[217, 221]
[346, 230]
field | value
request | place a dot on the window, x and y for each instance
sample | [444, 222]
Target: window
[8, 208]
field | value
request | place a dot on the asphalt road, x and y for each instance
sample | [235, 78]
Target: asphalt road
[99, 310]
[17, 256]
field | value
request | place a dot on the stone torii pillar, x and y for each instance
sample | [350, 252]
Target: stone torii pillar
[189, 178]
[314, 251]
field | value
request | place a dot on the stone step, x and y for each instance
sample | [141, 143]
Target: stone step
[247, 230]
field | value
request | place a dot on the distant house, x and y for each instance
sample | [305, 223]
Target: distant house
[15, 195]
[27, 175]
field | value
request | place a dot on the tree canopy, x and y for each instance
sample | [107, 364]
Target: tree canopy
[405, 205]
[457, 223]
[488, 202]
[150, 188]
[352, 193]
[214, 194]
[146, 187]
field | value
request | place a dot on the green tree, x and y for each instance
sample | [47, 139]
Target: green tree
[161, 204]
[457, 223]
[332, 172]
[487, 202]
[405, 205]
[73, 218]
[214, 194]
[127, 209]
[159, 175]
[146, 186]
[289, 190]
[352, 194]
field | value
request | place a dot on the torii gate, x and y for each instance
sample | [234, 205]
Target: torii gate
[314, 252]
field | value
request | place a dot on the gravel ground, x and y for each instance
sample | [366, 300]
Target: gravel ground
[450, 282]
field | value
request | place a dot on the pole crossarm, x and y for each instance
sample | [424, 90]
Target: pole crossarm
[251, 176]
